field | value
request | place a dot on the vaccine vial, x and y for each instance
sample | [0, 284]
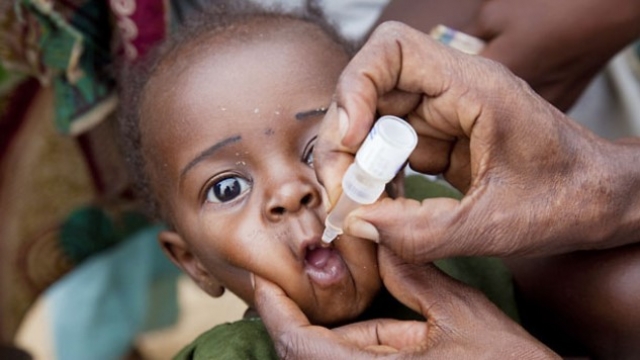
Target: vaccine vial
[382, 154]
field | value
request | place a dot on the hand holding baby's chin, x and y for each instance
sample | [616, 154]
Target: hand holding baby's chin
[455, 312]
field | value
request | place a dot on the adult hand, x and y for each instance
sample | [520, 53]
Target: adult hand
[556, 46]
[462, 323]
[535, 182]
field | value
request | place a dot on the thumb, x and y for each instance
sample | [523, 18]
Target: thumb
[416, 231]
[420, 287]
[331, 156]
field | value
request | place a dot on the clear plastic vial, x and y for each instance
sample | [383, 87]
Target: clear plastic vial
[381, 156]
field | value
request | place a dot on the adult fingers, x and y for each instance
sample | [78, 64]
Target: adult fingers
[382, 71]
[293, 336]
[276, 309]
[462, 322]
[331, 157]
[416, 231]
[385, 334]
[424, 288]
[395, 58]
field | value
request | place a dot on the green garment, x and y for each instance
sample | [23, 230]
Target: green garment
[248, 338]
[245, 339]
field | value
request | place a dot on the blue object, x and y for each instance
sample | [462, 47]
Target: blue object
[102, 305]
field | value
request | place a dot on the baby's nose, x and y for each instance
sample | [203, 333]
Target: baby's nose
[290, 198]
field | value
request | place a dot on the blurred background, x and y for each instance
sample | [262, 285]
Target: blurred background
[198, 313]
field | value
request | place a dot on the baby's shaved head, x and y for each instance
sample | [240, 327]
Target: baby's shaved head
[218, 27]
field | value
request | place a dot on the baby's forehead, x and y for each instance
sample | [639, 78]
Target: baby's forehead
[236, 43]
[248, 32]
[262, 32]
[269, 61]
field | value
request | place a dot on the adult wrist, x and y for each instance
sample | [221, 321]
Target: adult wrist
[620, 180]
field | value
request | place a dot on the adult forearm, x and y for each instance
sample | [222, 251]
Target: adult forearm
[607, 214]
[425, 14]
[624, 212]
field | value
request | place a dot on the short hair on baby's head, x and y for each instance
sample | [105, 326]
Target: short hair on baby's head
[217, 19]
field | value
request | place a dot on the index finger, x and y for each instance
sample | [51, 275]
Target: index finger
[395, 58]
[331, 157]
[395, 69]
[293, 336]
[278, 312]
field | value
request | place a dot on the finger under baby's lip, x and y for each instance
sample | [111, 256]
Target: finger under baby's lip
[331, 157]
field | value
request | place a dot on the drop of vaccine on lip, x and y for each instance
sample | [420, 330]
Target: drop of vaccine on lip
[318, 257]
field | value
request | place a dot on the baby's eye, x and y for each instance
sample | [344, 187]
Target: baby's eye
[227, 189]
[309, 158]
[307, 155]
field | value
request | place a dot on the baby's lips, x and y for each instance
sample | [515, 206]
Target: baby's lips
[325, 266]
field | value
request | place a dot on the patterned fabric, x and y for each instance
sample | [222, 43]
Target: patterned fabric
[91, 229]
[64, 193]
[69, 45]
[43, 177]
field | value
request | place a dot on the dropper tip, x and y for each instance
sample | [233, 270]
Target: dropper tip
[329, 235]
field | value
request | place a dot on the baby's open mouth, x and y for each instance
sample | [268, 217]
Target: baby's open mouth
[324, 265]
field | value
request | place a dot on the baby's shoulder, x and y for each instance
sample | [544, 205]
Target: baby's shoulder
[243, 339]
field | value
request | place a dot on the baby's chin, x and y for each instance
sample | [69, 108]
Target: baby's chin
[331, 308]
[337, 285]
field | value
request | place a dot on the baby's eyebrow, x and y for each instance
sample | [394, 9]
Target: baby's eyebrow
[311, 113]
[208, 152]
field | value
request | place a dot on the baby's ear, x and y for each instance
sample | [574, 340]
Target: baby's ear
[180, 254]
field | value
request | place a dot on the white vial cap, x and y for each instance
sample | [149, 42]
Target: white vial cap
[387, 148]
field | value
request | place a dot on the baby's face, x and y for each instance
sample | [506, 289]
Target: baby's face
[229, 139]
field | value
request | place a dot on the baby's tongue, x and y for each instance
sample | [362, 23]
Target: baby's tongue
[318, 257]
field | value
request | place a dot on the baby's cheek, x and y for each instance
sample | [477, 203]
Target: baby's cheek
[369, 283]
[362, 260]
[232, 276]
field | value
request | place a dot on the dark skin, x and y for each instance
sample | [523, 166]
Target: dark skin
[228, 131]
[589, 307]
[482, 128]
[558, 60]
[570, 42]
[425, 14]
[462, 323]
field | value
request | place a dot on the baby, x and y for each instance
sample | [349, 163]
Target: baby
[219, 125]
[221, 128]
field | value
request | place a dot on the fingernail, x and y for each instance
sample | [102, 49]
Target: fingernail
[253, 281]
[343, 122]
[363, 229]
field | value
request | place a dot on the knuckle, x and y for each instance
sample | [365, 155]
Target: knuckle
[389, 26]
[390, 29]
